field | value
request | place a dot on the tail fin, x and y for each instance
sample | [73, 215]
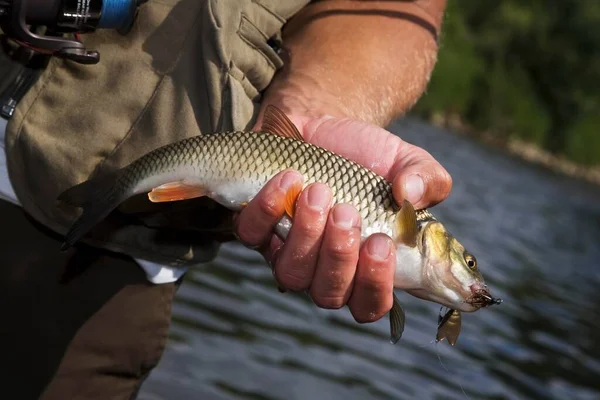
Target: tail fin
[98, 197]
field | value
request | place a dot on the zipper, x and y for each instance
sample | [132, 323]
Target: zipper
[27, 66]
[26, 77]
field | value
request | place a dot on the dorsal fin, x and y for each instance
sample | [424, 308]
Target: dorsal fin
[277, 123]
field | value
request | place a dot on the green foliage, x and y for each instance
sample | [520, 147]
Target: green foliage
[516, 109]
[459, 61]
[583, 140]
[524, 69]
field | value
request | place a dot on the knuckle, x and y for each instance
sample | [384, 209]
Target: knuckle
[342, 253]
[329, 302]
[331, 283]
[376, 288]
[331, 290]
[338, 280]
[302, 253]
[269, 206]
[249, 234]
[292, 280]
[374, 303]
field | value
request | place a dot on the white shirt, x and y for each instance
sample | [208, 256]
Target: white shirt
[156, 273]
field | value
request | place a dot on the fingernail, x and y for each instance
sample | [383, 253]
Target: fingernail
[379, 247]
[318, 197]
[414, 188]
[344, 216]
[288, 180]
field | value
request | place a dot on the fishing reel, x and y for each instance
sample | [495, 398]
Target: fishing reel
[21, 21]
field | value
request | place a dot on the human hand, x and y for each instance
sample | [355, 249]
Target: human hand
[323, 252]
[343, 59]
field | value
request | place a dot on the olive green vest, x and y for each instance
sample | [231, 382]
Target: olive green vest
[187, 67]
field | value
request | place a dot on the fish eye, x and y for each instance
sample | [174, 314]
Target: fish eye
[471, 261]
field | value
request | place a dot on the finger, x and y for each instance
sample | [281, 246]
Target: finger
[421, 180]
[332, 282]
[256, 221]
[371, 295]
[271, 249]
[271, 252]
[297, 259]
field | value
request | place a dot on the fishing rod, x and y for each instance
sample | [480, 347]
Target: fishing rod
[20, 20]
[33, 31]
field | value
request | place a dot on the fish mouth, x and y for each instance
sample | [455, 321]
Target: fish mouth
[480, 297]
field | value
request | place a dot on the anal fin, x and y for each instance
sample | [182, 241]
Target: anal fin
[174, 191]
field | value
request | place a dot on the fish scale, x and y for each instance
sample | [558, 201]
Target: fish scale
[255, 157]
[232, 167]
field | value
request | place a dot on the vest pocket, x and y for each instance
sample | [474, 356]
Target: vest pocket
[253, 56]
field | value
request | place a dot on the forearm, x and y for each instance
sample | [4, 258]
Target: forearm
[369, 60]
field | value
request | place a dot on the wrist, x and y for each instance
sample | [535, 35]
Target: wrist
[301, 94]
[343, 59]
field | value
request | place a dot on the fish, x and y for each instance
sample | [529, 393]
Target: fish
[231, 168]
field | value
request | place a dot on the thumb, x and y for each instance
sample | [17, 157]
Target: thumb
[420, 179]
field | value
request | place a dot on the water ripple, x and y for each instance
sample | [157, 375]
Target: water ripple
[535, 234]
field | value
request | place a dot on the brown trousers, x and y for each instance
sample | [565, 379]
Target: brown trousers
[84, 324]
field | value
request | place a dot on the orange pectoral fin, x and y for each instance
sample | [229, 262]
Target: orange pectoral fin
[175, 191]
[290, 199]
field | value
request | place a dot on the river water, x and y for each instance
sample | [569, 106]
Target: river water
[536, 236]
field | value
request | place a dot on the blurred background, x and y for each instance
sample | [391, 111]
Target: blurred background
[515, 80]
[522, 71]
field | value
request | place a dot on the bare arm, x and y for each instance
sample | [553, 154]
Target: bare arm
[369, 60]
[351, 68]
